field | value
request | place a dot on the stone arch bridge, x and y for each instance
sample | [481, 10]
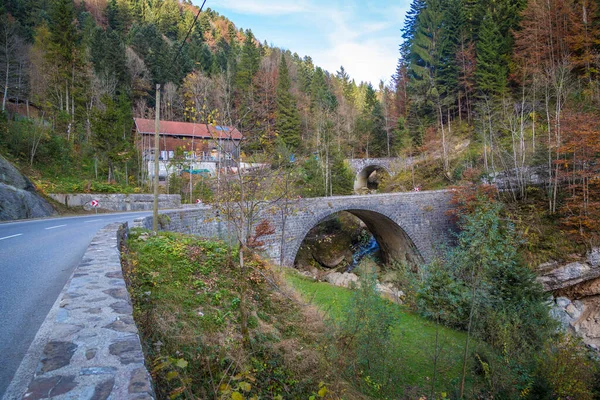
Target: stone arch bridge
[364, 167]
[408, 226]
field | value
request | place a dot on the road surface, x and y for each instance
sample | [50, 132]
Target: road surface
[37, 258]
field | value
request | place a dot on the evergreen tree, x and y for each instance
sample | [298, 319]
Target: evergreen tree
[378, 133]
[223, 56]
[348, 86]
[63, 35]
[111, 128]
[249, 63]
[168, 18]
[492, 70]
[425, 59]
[107, 53]
[148, 43]
[410, 27]
[342, 177]
[287, 119]
[452, 35]
[119, 16]
[306, 70]
[495, 297]
[321, 96]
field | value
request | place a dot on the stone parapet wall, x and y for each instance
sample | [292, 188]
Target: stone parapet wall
[119, 202]
[203, 221]
[90, 343]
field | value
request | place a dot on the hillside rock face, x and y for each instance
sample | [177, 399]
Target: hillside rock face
[576, 287]
[18, 198]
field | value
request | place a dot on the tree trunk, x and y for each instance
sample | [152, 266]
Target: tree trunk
[435, 356]
[6, 82]
[469, 327]
[243, 310]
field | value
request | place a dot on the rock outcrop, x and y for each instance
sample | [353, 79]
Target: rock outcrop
[576, 287]
[18, 197]
[568, 275]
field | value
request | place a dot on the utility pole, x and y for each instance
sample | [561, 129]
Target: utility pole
[156, 152]
[157, 128]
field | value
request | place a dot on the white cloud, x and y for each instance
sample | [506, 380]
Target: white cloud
[262, 7]
[361, 46]
[369, 61]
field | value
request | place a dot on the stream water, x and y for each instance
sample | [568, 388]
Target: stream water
[362, 251]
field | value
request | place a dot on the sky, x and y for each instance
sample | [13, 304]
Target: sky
[363, 36]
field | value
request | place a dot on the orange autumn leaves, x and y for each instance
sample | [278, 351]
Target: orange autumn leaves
[579, 169]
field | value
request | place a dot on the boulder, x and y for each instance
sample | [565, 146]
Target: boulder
[18, 198]
[587, 326]
[329, 260]
[593, 257]
[390, 292]
[341, 279]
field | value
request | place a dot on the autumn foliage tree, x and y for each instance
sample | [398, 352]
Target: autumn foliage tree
[580, 173]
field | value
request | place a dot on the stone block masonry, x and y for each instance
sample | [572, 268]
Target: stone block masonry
[408, 226]
[90, 348]
[119, 202]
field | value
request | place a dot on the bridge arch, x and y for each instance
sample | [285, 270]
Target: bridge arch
[362, 177]
[394, 239]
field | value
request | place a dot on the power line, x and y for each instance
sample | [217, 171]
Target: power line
[189, 31]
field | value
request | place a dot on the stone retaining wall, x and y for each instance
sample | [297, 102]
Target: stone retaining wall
[119, 202]
[93, 350]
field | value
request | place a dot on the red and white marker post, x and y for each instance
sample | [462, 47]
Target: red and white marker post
[95, 204]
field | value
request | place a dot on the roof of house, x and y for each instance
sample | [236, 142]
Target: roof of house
[203, 131]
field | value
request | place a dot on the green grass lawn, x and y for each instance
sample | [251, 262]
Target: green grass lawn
[413, 338]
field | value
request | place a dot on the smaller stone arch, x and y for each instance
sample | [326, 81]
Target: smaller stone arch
[362, 177]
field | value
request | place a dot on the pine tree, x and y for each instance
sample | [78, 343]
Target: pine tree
[426, 55]
[306, 70]
[410, 27]
[491, 70]
[63, 35]
[452, 35]
[321, 96]
[107, 53]
[119, 16]
[148, 43]
[111, 128]
[249, 63]
[287, 119]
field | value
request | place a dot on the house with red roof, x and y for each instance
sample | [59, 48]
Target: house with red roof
[206, 147]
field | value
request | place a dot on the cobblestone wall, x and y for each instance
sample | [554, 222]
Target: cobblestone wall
[92, 349]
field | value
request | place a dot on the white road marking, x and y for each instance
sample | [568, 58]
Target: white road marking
[54, 227]
[12, 236]
[94, 220]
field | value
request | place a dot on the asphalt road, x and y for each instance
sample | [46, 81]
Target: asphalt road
[37, 258]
